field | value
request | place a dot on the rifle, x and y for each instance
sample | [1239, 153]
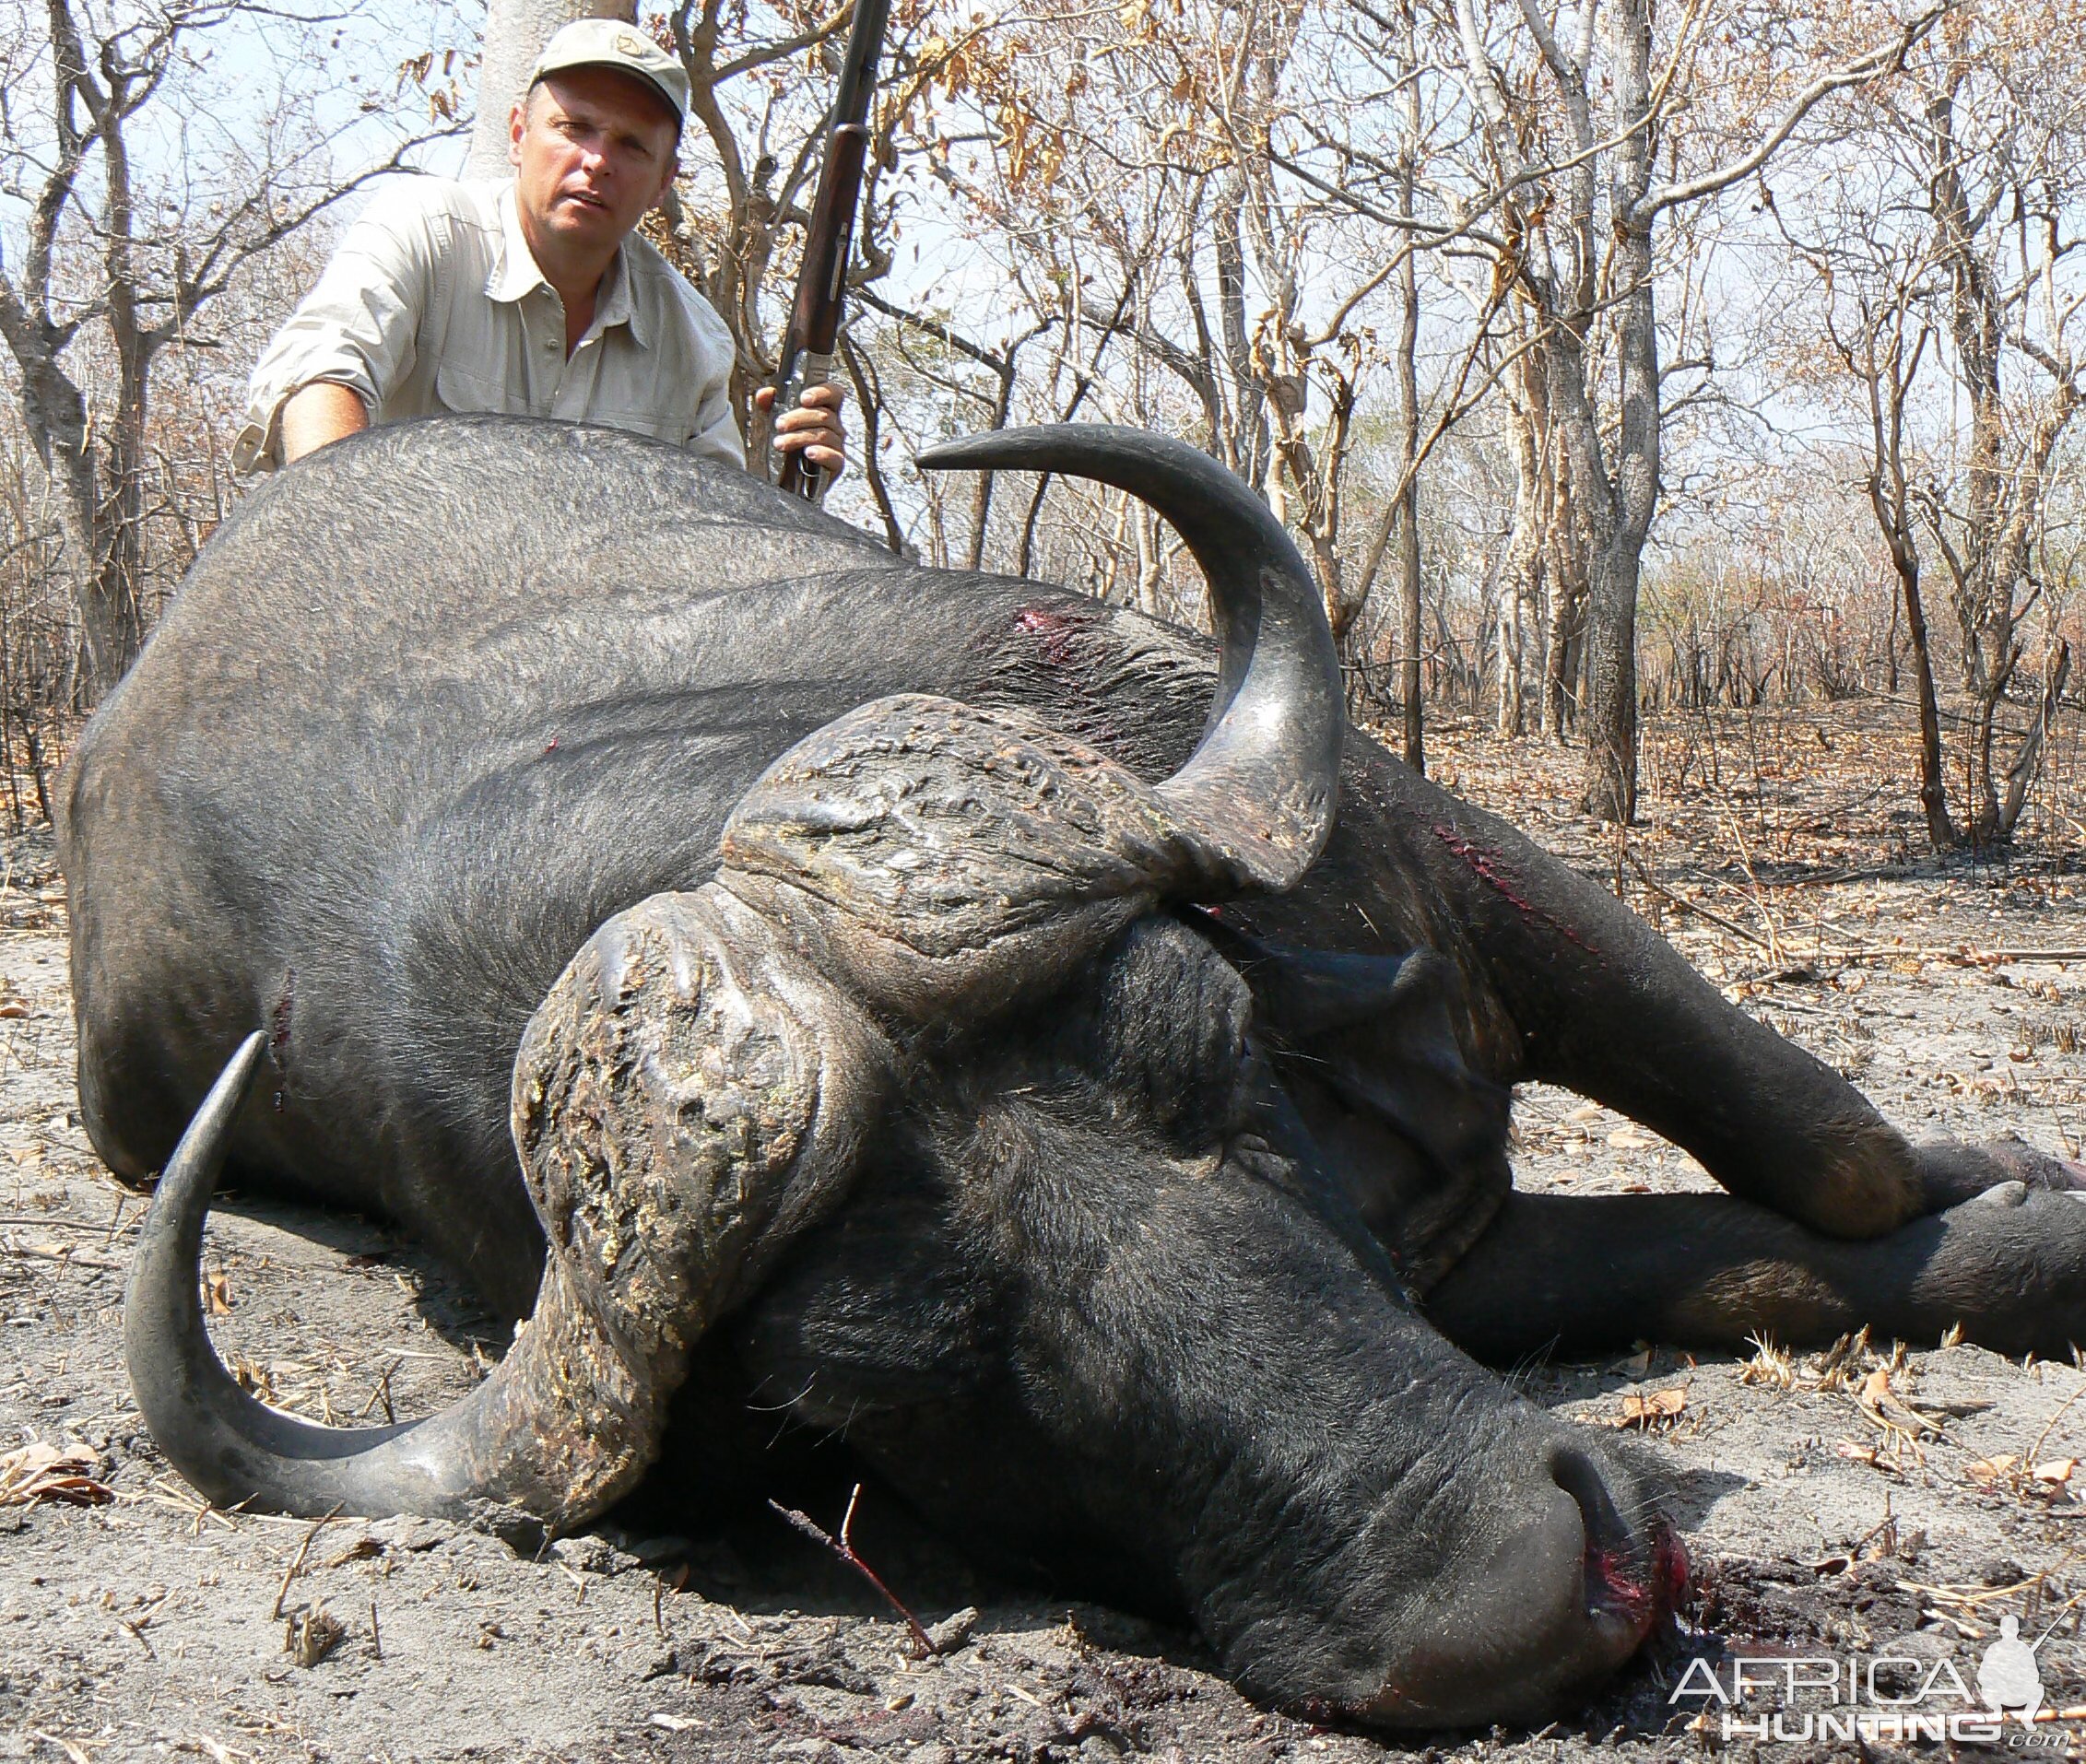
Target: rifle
[814, 320]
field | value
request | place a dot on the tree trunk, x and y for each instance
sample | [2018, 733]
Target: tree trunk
[1409, 448]
[515, 33]
[112, 608]
[980, 494]
[1933, 785]
[1608, 782]
[2028, 761]
[1247, 443]
[1511, 710]
[1984, 788]
[1611, 724]
[111, 602]
[1561, 657]
[1522, 572]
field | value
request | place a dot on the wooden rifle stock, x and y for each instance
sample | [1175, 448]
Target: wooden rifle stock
[815, 315]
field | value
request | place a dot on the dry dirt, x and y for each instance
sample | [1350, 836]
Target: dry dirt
[1830, 1511]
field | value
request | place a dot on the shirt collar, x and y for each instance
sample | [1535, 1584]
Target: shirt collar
[516, 274]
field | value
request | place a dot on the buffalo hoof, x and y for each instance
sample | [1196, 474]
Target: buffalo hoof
[2009, 1267]
[1953, 1170]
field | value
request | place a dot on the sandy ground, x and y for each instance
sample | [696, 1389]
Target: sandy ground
[1852, 1505]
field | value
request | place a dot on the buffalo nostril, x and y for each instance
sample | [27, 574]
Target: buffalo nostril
[1580, 1477]
[1629, 1575]
[1562, 1582]
[1512, 1626]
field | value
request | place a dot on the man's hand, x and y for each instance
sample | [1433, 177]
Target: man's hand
[813, 429]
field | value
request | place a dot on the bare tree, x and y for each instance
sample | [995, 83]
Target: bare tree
[1960, 333]
[127, 258]
[1573, 110]
[1883, 351]
[1132, 171]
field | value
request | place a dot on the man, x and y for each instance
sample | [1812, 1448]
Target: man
[531, 296]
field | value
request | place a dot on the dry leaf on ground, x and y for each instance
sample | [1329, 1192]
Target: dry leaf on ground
[1890, 1411]
[1857, 1454]
[1650, 1408]
[41, 1472]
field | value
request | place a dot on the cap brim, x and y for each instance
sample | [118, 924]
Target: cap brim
[637, 75]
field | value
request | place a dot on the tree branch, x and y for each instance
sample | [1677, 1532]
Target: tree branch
[1886, 58]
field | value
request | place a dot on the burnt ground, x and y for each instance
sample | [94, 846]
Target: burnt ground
[1869, 1501]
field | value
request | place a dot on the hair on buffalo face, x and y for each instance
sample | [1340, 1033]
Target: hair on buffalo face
[1026, 1165]
[1096, 1308]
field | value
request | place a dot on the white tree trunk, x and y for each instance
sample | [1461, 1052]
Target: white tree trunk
[1610, 780]
[515, 33]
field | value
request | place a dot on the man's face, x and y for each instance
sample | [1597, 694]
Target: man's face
[592, 151]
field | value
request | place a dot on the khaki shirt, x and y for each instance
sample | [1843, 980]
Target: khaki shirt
[432, 303]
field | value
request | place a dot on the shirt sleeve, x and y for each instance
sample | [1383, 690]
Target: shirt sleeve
[357, 326]
[716, 430]
[707, 348]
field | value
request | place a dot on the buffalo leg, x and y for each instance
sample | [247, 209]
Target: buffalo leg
[1584, 1272]
[1568, 986]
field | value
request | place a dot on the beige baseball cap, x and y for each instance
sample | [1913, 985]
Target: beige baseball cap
[610, 43]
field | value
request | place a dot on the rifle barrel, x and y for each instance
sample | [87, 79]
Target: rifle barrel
[813, 332]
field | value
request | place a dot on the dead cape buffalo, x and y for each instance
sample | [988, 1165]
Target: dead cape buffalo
[1015, 1058]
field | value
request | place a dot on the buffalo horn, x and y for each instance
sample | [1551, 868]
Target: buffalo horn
[235, 1449]
[666, 1187]
[1258, 792]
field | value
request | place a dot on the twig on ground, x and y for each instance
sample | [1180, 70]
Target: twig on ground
[845, 1550]
[297, 1561]
[1972, 958]
[166, 1492]
[1696, 906]
[1773, 943]
[67, 1257]
[382, 1394]
[2035, 1451]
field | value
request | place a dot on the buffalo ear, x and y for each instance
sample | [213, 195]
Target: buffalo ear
[1368, 1047]
[1167, 1024]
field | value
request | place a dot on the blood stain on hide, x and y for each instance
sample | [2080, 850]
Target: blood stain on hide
[1054, 633]
[278, 1028]
[1645, 1596]
[279, 1019]
[1486, 866]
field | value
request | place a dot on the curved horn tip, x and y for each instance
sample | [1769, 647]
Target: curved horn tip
[1260, 789]
[468, 1462]
[1072, 447]
[205, 1133]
